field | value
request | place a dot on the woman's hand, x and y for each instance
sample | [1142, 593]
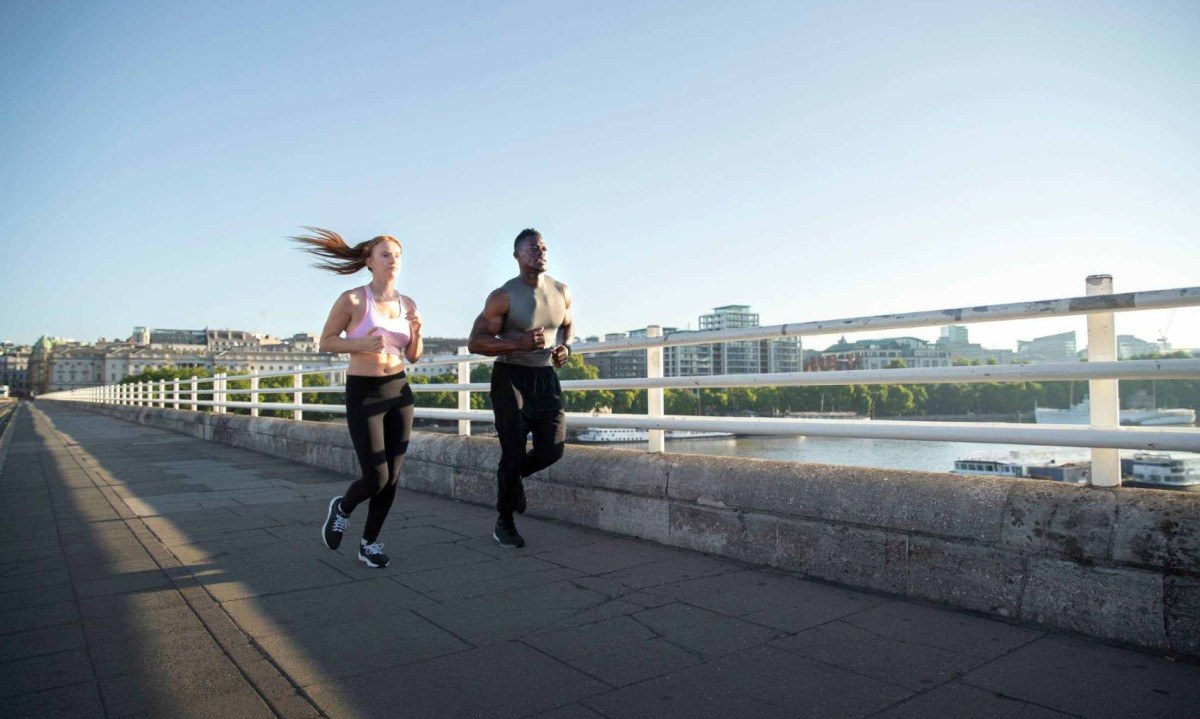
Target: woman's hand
[414, 321]
[372, 343]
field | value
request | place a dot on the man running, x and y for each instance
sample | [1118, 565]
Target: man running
[526, 396]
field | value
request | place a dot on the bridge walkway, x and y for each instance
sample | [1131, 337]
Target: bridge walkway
[144, 573]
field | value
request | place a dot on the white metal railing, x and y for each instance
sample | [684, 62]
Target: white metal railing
[1103, 371]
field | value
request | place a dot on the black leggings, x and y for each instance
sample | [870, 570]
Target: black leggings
[525, 400]
[379, 412]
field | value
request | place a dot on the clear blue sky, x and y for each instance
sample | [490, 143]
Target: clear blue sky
[813, 160]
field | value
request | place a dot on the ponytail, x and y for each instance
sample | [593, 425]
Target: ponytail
[335, 254]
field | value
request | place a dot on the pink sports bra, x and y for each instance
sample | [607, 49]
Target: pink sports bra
[393, 331]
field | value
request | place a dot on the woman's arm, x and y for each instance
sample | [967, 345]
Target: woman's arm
[416, 346]
[337, 323]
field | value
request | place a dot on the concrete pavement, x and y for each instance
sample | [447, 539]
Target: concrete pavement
[148, 574]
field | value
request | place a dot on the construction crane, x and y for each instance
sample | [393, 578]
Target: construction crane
[1164, 344]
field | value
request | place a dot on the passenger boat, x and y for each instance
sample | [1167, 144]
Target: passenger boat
[1082, 414]
[620, 434]
[1161, 470]
[1153, 470]
[1017, 465]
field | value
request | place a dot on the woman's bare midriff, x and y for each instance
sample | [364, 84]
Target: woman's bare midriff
[374, 365]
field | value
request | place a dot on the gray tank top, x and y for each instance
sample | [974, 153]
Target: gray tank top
[529, 308]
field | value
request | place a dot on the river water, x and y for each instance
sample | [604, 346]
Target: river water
[884, 453]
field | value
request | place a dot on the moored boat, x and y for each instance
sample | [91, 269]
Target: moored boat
[1152, 470]
[1082, 414]
[1161, 470]
[595, 435]
[1020, 466]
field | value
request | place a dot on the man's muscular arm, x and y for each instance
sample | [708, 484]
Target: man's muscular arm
[564, 335]
[484, 340]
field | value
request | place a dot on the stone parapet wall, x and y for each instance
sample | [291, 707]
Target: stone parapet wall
[1122, 564]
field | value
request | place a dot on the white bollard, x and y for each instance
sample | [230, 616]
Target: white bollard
[254, 395]
[297, 397]
[464, 398]
[1105, 398]
[654, 398]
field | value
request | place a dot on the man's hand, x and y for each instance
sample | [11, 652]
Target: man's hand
[559, 355]
[534, 339]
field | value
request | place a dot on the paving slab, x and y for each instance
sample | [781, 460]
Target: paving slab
[1091, 679]
[157, 575]
[953, 700]
[759, 682]
[77, 701]
[502, 680]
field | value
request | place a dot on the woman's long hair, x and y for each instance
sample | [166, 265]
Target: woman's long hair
[335, 254]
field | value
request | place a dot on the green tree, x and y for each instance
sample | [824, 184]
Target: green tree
[583, 400]
[895, 400]
[441, 400]
[680, 401]
[629, 401]
[766, 401]
[285, 382]
[481, 373]
[741, 399]
[169, 374]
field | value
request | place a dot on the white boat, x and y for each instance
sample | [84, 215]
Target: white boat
[695, 434]
[614, 434]
[1027, 466]
[1162, 470]
[1082, 414]
[1156, 470]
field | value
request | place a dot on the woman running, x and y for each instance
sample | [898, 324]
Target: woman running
[383, 329]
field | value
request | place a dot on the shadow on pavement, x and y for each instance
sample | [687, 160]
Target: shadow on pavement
[153, 574]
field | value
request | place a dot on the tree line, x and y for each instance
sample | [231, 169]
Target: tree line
[876, 400]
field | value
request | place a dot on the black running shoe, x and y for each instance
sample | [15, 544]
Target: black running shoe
[506, 534]
[521, 498]
[372, 555]
[335, 524]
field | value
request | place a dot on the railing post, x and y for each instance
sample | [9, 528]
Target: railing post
[254, 395]
[175, 393]
[464, 398]
[654, 396]
[297, 397]
[195, 393]
[162, 393]
[1105, 399]
[219, 392]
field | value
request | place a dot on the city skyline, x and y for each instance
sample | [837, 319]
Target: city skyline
[821, 162]
[959, 334]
